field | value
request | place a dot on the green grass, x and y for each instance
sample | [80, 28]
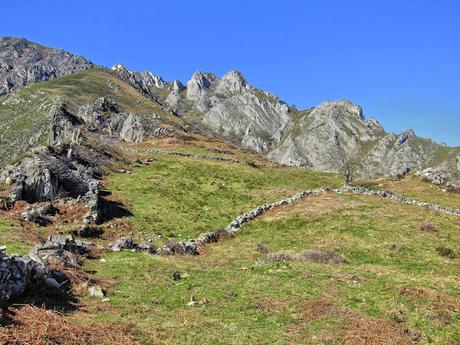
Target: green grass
[248, 301]
[10, 238]
[183, 197]
[414, 187]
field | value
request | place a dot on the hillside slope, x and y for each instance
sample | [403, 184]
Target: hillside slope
[26, 114]
[396, 285]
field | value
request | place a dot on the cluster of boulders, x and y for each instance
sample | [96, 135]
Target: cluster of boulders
[38, 267]
[50, 174]
[438, 178]
[39, 213]
[70, 166]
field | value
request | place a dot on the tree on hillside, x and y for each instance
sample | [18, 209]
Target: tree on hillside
[345, 163]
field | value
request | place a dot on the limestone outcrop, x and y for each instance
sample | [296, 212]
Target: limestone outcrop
[23, 62]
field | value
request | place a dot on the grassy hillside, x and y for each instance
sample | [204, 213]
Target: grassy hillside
[183, 197]
[396, 288]
[25, 114]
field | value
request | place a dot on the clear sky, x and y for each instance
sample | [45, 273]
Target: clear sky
[398, 59]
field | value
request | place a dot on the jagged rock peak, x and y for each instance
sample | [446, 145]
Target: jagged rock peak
[404, 137]
[198, 85]
[341, 106]
[178, 86]
[23, 62]
[204, 79]
[232, 82]
[145, 81]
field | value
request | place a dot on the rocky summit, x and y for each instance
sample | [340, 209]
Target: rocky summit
[23, 62]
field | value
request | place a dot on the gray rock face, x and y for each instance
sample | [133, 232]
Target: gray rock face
[132, 129]
[147, 83]
[230, 107]
[341, 125]
[23, 62]
[321, 131]
[239, 112]
[103, 116]
[48, 175]
[17, 273]
[199, 89]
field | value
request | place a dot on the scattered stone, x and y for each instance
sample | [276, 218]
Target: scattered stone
[39, 213]
[15, 274]
[177, 276]
[59, 250]
[38, 266]
[262, 248]
[434, 176]
[125, 242]
[431, 228]
[95, 291]
[89, 231]
[146, 247]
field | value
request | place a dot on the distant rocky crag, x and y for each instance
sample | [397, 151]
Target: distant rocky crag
[23, 62]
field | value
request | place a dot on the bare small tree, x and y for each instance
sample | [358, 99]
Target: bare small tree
[346, 163]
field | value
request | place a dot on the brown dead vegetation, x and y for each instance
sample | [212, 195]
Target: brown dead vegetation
[36, 326]
[439, 302]
[429, 228]
[354, 328]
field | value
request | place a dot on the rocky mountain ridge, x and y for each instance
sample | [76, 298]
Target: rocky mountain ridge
[23, 62]
[230, 108]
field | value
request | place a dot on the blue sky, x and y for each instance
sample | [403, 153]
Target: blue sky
[400, 60]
